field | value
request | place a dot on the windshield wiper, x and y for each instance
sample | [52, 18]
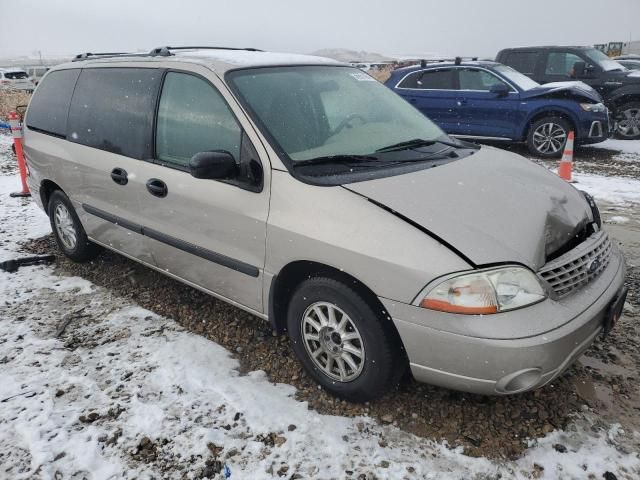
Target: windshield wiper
[415, 143]
[328, 159]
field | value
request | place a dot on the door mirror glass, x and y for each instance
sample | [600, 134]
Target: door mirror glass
[214, 165]
[500, 89]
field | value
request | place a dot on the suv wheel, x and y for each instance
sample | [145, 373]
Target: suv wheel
[628, 118]
[342, 342]
[548, 136]
[67, 229]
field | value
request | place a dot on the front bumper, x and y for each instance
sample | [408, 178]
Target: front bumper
[596, 128]
[484, 360]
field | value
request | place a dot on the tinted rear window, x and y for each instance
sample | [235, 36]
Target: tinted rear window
[16, 75]
[49, 106]
[524, 62]
[429, 80]
[112, 109]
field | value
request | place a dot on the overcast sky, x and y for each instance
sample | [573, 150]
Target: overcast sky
[460, 27]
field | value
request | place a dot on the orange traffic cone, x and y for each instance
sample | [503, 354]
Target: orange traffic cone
[566, 164]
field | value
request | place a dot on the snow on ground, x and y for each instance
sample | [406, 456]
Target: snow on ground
[629, 149]
[617, 190]
[124, 393]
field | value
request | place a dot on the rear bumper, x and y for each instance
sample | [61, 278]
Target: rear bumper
[493, 366]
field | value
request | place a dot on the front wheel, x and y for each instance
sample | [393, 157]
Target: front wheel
[628, 118]
[548, 136]
[341, 341]
[68, 231]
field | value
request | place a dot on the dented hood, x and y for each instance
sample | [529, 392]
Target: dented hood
[577, 89]
[492, 206]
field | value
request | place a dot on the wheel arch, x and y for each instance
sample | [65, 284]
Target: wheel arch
[285, 282]
[47, 187]
[624, 97]
[548, 112]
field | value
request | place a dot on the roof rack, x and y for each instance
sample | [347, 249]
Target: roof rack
[456, 60]
[166, 51]
[156, 52]
[85, 56]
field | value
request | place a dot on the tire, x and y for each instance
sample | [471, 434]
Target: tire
[628, 118]
[365, 377]
[68, 231]
[547, 136]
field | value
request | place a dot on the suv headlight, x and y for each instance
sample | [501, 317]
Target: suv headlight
[593, 107]
[484, 292]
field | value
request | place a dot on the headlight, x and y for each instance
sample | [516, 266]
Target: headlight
[593, 107]
[485, 292]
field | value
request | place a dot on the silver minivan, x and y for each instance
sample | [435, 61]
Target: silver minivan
[305, 192]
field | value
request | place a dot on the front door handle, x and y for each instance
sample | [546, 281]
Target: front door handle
[157, 188]
[119, 175]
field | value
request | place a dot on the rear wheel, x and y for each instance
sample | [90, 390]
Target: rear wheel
[67, 229]
[342, 342]
[628, 118]
[548, 136]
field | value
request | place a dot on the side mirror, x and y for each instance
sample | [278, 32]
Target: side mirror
[500, 89]
[579, 69]
[215, 165]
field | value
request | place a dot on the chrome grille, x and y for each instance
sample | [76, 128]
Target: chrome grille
[579, 266]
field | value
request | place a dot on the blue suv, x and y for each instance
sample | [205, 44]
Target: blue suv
[489, 101]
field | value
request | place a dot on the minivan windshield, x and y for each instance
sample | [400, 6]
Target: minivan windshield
[314, 112]
[603, 61]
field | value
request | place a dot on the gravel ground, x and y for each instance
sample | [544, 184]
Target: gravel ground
[604, 382]
[487, 426]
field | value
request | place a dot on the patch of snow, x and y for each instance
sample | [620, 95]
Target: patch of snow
[629, 149]
[618, 190]
[618, 219]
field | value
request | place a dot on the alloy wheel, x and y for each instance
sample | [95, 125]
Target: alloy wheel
[629, 122]
[64, 226]
[333, 341]
[549, 138]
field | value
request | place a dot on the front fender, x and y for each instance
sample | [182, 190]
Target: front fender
[551, 110]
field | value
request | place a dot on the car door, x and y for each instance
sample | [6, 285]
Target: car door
[109, 128]
[482, 112]
[433, 92]
[209, 233]
[558, 66]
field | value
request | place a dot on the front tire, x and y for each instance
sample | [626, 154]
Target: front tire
[346, 345]
[68, 231]
[628, 118]
[548, 136]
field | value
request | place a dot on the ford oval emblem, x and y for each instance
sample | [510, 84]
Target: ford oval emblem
[593, 266]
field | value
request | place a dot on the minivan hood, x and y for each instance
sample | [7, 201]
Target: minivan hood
[492, 206]
[579, 89]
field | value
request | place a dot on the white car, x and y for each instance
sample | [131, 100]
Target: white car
[15, 79]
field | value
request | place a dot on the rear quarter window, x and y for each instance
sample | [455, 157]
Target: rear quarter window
[49, 107]
[441, 79]
[112, 109]
[524, 62]
[16, 75]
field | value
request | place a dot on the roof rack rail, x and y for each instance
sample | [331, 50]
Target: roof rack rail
[456, 60]
[86, 55]
[166, 51]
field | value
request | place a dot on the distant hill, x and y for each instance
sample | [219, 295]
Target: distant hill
[362, 56]
[345, 55]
